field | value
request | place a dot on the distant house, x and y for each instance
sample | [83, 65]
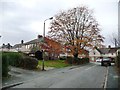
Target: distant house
[27, 46]
[66, 51]
[94, 54]
[103, 52]
[7, 48]
[17, 47]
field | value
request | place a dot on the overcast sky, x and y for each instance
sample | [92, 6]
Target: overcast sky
[23, 19]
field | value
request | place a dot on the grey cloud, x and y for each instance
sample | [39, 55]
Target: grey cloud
[16, 37]
[16, 26]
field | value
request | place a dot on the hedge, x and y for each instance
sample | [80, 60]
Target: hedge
[72, 60]
[63, 57]
[118, 61]
[5, 65]
[18, 60]
[14, 58]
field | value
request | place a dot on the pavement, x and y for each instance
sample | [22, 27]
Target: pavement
[53, 78]
[113, 78]
[19, 75]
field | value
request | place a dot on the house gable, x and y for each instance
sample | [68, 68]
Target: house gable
[94, 52]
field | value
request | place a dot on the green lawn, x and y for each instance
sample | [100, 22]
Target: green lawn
[54, 63]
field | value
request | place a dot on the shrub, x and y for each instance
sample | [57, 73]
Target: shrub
[29, 63]
[86, 60]
[69, 60]
[5, 64]
[20, 60]
[72, 60]
[118, 61]
[14, 58]
[62, 58]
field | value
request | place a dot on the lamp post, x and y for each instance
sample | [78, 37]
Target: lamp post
[44, 42]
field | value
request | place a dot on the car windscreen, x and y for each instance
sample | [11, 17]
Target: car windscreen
[106, 59]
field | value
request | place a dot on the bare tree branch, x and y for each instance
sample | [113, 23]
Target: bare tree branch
[77, 27]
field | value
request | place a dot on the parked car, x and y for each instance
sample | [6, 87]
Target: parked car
[98, 60]
[112, 60]
[106, 61]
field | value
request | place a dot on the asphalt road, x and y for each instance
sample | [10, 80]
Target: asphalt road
[86, 76]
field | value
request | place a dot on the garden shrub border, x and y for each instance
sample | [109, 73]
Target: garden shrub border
[17, 59]
[77, 61]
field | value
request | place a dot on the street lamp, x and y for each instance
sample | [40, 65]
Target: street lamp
[44, 42]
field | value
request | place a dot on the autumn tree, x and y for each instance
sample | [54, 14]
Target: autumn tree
[54, 48]
[76, 27]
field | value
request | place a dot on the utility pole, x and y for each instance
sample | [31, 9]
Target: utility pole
[44, 42]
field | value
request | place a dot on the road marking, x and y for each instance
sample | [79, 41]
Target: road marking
[106, 79]
[90, 67]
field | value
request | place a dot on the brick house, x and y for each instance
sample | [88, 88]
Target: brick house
[52, 48]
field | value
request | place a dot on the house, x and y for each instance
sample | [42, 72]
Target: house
[109, 52]
[27, 46]
[7, 48]
[66, 51]
[53, 48]
[94, 54]
[103, 52]
[50, 47]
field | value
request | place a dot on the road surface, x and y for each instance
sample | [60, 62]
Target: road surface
[91, 75]
[86, 76]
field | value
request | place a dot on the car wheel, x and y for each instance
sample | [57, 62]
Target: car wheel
[101, 64]
[109, 64]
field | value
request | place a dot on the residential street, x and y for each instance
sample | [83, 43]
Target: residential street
[87, 76]
[47, 44]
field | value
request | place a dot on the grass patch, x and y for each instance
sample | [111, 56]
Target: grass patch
[54, 63]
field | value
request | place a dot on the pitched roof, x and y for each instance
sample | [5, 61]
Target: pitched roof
[104, 50]
[107, 50]
[27, 43]
[17, 45]
[32, 42]
[113, 50]
[5, 46]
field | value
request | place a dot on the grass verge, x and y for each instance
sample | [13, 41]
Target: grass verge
[54, 63]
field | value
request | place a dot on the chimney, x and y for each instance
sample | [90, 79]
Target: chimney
[39, 36]
[22, 41]
[109, 46]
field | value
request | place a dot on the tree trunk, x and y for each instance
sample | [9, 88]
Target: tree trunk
[75, 57]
